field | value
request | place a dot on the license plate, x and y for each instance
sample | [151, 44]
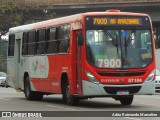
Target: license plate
[158, 85]
[122, 92]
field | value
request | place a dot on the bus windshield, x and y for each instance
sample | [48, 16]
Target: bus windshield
[119, 48]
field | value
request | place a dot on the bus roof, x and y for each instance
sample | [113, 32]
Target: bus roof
[67, 19]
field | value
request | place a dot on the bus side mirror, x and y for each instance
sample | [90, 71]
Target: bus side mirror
[80, 39]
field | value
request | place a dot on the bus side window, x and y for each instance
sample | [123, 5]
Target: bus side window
[64, 38]
[58, 36]
[41, 43]
[31, 42]
[25, 44]
[11, 45]
[51, 41]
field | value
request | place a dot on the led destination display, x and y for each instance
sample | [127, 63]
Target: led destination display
[116, 21]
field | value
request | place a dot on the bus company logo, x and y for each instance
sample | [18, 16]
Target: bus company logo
[34, 66]
[37, 65]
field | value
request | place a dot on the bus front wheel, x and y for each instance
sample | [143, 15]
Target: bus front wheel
[69, 99]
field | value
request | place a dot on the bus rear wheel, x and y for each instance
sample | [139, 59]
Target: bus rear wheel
[29, 94]
[126, 100]
[69, 99]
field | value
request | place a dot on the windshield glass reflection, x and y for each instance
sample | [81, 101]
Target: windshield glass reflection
[119, 48]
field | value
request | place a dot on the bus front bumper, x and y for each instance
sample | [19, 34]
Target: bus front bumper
[92, 89]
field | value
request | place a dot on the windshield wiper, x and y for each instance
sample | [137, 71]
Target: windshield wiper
[129, 38]
[125, 45]
[115, 41]
[117, 45]
[128, 41]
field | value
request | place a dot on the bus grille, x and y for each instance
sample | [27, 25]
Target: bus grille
[157, 87]
[122, 74]
[131, 89]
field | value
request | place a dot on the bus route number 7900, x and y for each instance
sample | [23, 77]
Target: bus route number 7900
[109, 63]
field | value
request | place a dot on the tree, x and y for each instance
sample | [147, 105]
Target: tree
[3, 56]
[13, 14]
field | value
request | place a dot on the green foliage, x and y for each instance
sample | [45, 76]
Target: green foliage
[3, 56]
[8, 15]
[12, 15]
[2, 59]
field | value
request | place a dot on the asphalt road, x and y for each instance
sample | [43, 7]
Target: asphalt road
[10, 100]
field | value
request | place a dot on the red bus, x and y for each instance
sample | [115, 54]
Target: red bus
[87, 55]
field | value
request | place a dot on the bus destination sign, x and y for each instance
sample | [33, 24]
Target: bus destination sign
[104, 21]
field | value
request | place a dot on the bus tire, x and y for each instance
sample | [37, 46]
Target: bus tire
[126, 100]
[69, 99]
[29, 94]
[6, 86]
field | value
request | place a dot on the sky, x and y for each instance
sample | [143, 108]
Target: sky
[4, 37]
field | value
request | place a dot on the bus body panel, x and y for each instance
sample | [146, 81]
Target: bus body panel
[13, 64]
[46, 71]
[11, 71]
[91, 89]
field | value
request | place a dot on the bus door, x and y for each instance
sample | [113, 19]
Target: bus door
[18, 39]
[78, 64]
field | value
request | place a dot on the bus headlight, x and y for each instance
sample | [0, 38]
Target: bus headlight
[92, 78]
[150, 77]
